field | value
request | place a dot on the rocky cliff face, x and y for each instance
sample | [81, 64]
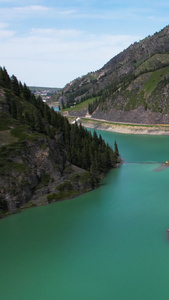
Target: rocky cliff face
[34, 170]
[135, 116]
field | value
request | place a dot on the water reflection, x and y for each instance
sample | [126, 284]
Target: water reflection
[162, 167]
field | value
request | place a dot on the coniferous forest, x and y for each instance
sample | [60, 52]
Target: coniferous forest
[29, 118]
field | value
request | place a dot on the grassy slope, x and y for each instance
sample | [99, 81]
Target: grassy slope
[6, 137]
[157, 61]
[82, 105]
[154, 67]
[154, 79]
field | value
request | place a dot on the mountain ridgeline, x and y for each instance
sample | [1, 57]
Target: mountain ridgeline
[43, 158]
[132, 87]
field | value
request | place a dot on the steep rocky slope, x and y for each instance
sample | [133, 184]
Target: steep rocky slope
[42, 157]
[132, 87]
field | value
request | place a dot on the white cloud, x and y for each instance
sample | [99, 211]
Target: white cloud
[55, 57]
[14, 14]
[66, 13]
[162, 4]
[3, 25]
[6, 1]
[97, 14]
[51, 13]
[18, 2]
[31, 9]
[6, 34]
[55, 33]
[18, 16]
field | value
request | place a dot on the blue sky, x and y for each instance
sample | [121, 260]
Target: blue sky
[50, 42]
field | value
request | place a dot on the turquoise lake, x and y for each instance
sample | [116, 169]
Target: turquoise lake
[110, 243]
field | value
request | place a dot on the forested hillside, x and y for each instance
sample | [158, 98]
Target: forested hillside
[42, 157]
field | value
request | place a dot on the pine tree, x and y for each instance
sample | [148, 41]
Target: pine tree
[4, 78]
[19, 114]
[15, 85]
[47, 113]
[66, 130]
[38, 124]
[28, 118]
[13, 108]
[84, 149]
[116, 150]
[26, 92]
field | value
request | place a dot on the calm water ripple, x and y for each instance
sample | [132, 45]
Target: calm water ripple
[111, 243]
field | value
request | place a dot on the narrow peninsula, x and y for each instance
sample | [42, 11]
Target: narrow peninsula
[43, 158]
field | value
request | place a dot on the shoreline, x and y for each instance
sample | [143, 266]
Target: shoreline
[125, 128]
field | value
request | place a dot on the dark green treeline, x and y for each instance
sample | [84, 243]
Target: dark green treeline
[82, 149]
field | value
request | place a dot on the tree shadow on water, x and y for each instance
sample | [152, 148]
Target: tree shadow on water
[162, 167]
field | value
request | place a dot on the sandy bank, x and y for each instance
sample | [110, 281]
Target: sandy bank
[126, 128]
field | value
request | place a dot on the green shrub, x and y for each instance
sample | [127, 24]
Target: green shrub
[75, 177]
[66, 185]
[45, 179]
[68, 169]
[29, 205]
[85, 177]
[20, 131]
[6, 121]
[61, 195]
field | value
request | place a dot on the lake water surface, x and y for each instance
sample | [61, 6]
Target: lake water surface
[108, 244]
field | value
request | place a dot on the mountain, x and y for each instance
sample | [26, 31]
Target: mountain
[132, 87]
[42, 157]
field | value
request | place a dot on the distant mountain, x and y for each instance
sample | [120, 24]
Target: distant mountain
[42, 157]
[132, 87]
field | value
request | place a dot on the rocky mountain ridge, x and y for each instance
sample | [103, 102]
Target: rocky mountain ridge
[132, 87]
